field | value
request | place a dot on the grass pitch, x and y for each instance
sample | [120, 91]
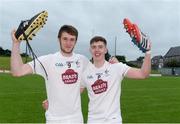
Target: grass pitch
[21, 99]
[156, 99]
[5, 62]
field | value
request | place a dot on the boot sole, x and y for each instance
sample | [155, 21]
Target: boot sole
[33, 28]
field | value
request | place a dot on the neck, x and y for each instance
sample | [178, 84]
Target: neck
[66, 54]
[99, 64]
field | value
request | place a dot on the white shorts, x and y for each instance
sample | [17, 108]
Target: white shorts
[77, 118]
[66, 121]
[105, 121]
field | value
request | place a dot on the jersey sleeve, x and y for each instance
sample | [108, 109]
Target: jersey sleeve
[83, 83]
[85, 62]
[122, 68]
[37, 67]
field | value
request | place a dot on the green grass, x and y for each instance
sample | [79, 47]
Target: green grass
[5, 62]
[84, 104]
[156, 99]
[21, 99]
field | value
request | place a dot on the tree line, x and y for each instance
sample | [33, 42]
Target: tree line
[7, 53]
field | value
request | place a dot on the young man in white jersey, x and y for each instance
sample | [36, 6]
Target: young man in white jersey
[103, 83]
[64, 70]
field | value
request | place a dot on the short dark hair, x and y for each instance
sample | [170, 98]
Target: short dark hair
[69, 29]
[98, 38]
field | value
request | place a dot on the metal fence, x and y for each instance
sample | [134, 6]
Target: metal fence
[170, 71]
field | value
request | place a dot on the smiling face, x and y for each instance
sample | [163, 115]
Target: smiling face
[98, 50]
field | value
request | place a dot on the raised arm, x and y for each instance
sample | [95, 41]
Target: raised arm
[143, 43]
[18, 68]
[144, 71]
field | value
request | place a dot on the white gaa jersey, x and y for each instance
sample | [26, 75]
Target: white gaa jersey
[63, 84]
[104, 89]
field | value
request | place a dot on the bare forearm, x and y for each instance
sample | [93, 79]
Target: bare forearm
[17, 66]
[142, 73]
[146, 67]
[16, 60]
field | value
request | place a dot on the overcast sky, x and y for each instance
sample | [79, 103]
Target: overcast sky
[160, 19]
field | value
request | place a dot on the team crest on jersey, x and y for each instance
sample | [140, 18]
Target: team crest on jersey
[106, 73]
[99, 86]
[70, 76]
[77, 63]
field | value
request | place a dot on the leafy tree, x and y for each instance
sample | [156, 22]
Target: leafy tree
[140, 59]
[5, 52]
[121, 58]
